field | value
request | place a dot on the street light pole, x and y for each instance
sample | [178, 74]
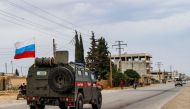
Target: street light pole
[12, 65]
[5, 67]
[110, 75]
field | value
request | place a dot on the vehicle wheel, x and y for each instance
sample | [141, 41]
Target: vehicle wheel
[32, 107]
[79, 102]
[17, 98]
[98, 104]
[40, 106]
[62, 106]
[61, 79]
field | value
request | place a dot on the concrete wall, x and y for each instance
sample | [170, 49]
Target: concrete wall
[140, 67]
[11, 82]
[17, 81]
[3, 82]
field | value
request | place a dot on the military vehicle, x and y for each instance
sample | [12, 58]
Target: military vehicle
[56, 82]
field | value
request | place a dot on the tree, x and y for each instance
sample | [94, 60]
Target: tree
[103, 62]
[91, 60]
[77, 48]
[97, 59]
[117, 76]
[81, 51]
[132, 74]
[16, 72]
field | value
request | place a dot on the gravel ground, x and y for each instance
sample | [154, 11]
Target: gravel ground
[182, 101]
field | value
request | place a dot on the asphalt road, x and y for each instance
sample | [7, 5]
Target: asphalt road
[143, 98]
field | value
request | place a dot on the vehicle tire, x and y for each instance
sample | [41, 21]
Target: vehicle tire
[32, 107]
[61, 79]
[18, 96]
[98, 104]
[62, 106]
[40, 106]
[79, 101]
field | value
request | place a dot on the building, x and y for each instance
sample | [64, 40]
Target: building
[140, 62]
[162, 76]
[11, 82]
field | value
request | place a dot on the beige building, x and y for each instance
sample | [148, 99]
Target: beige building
[140, 62]
[162, 76]
[11, 82]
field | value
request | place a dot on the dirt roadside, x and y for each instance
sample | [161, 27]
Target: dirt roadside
[181, 101]
[7, 97]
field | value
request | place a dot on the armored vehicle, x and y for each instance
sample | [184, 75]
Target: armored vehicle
[56, 82]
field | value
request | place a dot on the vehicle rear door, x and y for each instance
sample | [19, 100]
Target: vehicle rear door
[94, 86]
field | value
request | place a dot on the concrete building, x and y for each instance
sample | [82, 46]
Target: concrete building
[11, 82]
[162, 76]
[140, 62]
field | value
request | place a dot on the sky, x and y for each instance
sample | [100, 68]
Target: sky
[158, 27]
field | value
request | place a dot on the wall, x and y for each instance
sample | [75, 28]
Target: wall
[11, 82]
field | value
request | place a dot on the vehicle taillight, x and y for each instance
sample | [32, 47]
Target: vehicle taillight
[70, 99]
[32, 98]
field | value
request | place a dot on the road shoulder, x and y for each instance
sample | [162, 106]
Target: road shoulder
[181, 101]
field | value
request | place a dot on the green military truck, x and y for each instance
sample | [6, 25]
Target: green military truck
[56, 82]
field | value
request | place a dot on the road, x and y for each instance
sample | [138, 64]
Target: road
[143, 98]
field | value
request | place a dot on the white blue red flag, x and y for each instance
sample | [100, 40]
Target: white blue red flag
[25, 49]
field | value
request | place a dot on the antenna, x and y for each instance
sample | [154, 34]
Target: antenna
[54, 48]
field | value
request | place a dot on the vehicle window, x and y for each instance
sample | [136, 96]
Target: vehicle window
[93, 77]
[79, 73]
[86, 73]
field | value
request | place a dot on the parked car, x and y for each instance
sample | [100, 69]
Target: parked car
[178, 82]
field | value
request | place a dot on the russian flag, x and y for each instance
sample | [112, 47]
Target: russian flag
[25, 49]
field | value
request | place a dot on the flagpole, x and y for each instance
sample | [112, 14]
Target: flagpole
[35, 47]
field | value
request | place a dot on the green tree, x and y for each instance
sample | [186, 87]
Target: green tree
[81, 51]
[91, 60]
[103, 58]
[117, 76]
[77, 48]
[17, 72]
[132, 74]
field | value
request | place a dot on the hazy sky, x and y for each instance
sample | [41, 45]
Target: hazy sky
[158, 27]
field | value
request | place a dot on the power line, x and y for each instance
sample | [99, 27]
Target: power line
[119, 45]
[38, 15]
[42, 17]
[28, 22]
[23, 25]
[50, 14]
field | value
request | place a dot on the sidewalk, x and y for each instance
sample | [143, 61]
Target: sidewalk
[182, 101]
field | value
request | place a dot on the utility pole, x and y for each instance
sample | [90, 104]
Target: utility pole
[21, 70]
[110, 74]
[5, 67]
[119, 45]
[54, 48]
[172, 75]
[159, 69]
[12, 66]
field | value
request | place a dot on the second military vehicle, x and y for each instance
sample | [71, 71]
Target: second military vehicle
[59, 83]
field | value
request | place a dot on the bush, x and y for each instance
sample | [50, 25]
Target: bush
[132, 74]
[117, 77]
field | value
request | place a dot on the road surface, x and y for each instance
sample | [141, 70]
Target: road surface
[152, 97]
